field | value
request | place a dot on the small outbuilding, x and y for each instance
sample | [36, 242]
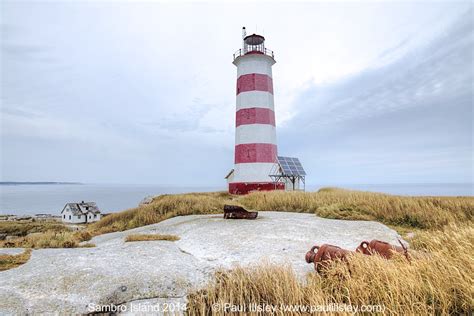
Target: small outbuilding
[83, 212]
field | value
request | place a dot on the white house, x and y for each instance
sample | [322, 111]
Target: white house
[83, 212]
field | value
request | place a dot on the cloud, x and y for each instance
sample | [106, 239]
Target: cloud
[22, 50]
[13, 50]
[440, 70]
[145, 92]
[395, 49]
[412, 117]
[19, 112]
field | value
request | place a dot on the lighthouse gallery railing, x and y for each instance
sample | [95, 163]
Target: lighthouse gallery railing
[264, 51]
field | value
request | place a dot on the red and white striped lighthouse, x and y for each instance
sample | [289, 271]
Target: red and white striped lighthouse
[255, 134]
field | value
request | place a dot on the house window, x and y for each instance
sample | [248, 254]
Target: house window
[64, 216]
[95, 215]
[69, 216]
[79, 216]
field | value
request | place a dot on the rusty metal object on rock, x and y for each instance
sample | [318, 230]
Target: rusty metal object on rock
[238, 212]
[325, 255]
[382, 248]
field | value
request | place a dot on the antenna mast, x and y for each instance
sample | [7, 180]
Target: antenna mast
[244, 33]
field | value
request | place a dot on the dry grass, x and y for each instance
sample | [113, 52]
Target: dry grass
[403, 213]
[162, 207]
[20, 228]
[438, 283]
[150, 237]
[87, 245]
[49, 239]
[414, 212]
[12, 261]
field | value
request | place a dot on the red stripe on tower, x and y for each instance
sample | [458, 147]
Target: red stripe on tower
[254, 82]
[248, 153]
[255, 116]
[246, 187]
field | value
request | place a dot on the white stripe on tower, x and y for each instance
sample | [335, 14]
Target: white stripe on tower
[246, 172]
[255, 66]
[251, 99]
[255, 133]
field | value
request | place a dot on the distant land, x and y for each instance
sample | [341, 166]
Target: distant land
[35, 183]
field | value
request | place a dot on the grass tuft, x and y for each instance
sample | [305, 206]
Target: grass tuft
[161, 208]
[21, 229]
[48, 239]
[87, 245]
[12, 261]
[150, 237]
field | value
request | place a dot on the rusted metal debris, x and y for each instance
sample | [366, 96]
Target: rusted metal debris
[238, 212]
[382, 248]
[325, 254]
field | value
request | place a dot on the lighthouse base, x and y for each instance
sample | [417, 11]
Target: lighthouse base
[247, 187]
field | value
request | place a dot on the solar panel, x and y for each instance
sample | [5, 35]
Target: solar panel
[291, 166]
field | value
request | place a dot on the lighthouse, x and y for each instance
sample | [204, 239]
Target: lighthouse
[255, 128]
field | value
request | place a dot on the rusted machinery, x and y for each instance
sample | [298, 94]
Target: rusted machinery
[382, 248]
[238, 212]
[325, 254]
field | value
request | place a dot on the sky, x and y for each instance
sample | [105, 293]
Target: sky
[144, 92]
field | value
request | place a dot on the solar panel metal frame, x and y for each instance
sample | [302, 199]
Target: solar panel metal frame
[291, 166]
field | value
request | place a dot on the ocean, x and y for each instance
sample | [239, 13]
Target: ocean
[29, 199]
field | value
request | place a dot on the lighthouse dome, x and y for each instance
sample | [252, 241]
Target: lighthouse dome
[254, 39]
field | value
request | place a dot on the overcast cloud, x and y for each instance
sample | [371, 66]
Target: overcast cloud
[144, 92]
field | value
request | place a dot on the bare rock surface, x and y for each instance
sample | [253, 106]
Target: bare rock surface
[118, 272]
[11, 251]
